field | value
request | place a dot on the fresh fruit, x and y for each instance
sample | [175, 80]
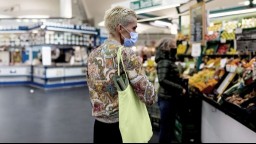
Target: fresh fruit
[210, 51]
[181, 49]
[203, 80]
[232, 51]
[212, 37]
[248, 65]
[215, 28]
[228, 36]
[223, 49]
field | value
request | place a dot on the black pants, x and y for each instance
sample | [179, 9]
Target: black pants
[107, 133]
[167, 123]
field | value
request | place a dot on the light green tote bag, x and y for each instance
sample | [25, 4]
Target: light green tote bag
[134, 121]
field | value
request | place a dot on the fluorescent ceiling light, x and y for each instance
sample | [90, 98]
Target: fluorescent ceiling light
[157, 8]
[18, 20]
[163, 23]
[5, 16]
[232, 13]
[35, 16]
[158, 25]
[101, 24]
[26, 21]
[35, 20]
[246, 3]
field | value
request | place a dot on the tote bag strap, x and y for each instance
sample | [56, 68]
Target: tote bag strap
[120, 58]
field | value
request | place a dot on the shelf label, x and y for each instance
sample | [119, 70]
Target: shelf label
[185, 43]
[254, 71]
[196, 49]
[239, 31]
[223, 63]
[222, 40]
[230, 31]
[210, 32]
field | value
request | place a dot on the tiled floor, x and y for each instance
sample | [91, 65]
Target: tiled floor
[59, 116]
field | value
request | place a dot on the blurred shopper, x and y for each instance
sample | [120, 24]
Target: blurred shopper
[102, 66]
[170, 88]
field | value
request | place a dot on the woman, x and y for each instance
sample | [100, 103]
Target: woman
[102, 66]
[170, 89]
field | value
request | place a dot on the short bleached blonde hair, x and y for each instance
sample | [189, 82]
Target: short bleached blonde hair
[118, 15]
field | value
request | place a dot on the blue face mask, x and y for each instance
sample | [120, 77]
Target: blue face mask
[132, 41]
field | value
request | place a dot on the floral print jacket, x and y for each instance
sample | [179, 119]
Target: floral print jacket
[102, 66]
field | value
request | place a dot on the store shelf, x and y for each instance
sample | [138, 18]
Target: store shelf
[236, 116]
[12, 31]
[15, 76]
[64, 77]
[226, 55]
[15, 83]
[219, 41]
[58, 45]
[52, 86]
[71, 30]
[185, 55]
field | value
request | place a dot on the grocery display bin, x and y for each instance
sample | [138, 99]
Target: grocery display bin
[188, 119]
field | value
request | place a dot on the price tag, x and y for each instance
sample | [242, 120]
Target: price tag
[239, 31]
[202, 66]
[210, 32]
[185, 43]
[254, 71]
[223, 40]
[230, 31]
[192, 66]
[196, 49]
[223, 63]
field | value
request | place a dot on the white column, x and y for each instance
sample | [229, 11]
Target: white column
[66, 8]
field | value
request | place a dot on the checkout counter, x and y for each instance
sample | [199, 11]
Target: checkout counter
[13, 75]
[45, 77]
[59, 76]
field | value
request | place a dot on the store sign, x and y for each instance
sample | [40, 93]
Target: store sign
[197, 23]
[142, 4]
[196, 50]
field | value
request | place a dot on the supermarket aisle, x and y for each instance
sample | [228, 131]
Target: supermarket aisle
[42, 117]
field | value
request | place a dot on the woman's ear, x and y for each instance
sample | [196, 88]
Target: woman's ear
[119, 28]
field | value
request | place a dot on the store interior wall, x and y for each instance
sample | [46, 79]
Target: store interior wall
[30, 7]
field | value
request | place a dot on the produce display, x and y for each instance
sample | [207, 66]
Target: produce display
[240, 100]
[215, 28]
[182, 37]
[206, 80]
[210, 51]
[248, 65]
[212, 37]
[232, 51]
[214, 63]
[249, 23]
[223, 49]
[150, 70]
[232, 25]
[181, 49]
[228, 36]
